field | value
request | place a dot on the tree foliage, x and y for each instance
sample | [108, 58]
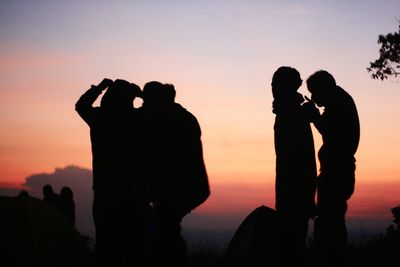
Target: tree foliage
[388, 63]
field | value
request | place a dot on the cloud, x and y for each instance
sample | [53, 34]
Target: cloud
[79, 180]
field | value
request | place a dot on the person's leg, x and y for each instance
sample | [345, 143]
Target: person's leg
[285, 239]
[300, 239]
[330, 230]
[134, 244]
[292, 228]
[104, 215]
[171, 245]
[99, 222]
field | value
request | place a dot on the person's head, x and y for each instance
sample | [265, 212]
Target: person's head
[23, 194]
[120, 95]
[285, 82]
[47, 190]
[158, 94]
[321, 85]
[66, 193]
[171, 92]
[396, 214]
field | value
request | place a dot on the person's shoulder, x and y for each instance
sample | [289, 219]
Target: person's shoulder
[345, 96]
[99, 113]
[343, 92]
[184, 113]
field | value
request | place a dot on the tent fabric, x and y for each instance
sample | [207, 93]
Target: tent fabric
[33, 232]
[255, 239]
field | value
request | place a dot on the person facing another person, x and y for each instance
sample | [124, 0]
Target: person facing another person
[340, 129]
[295, 181]
[51, 197]
[68, 204]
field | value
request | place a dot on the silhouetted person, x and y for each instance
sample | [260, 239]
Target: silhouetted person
[296, 173]
[68, 204]
[50, 197]
[394, 228]
[23, 194]
[112, 133]
[396, 215]
[340, 130]
[174, 164]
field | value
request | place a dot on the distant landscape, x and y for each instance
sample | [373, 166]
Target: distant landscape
[215, 222]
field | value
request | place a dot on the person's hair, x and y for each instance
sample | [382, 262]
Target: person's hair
[285, 80]
[159, 93]
[47, 189]
[171, 91]
[121, 92]
[23, 193]
[66, 192]
[321, 79]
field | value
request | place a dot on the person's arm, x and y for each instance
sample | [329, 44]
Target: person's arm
[84, 105]
[319, 124]
[198, 185]
[313, 115]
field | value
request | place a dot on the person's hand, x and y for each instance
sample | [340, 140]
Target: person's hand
[138, 92]
[311, 111]
[105, 83]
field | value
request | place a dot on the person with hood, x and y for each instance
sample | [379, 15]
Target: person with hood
[295, 180]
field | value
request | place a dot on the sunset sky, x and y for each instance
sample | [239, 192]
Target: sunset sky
[220, 55]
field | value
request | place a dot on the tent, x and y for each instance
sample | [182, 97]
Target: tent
[254, 242]
[33, 232]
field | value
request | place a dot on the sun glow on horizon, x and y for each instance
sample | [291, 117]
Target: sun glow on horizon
[220, 56]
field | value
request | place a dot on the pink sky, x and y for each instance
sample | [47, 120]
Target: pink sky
[220, 57]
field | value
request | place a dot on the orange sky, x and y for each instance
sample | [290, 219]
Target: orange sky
[220, 57]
